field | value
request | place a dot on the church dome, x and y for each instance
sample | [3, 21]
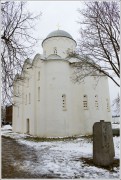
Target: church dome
[58, 33]
[58, 42]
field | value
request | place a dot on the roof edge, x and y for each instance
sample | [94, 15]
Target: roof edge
[56, 37]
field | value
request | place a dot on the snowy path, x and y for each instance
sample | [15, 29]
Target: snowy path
[57, 159]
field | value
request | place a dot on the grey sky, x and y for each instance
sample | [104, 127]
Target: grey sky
[66, 15]
[63, 13]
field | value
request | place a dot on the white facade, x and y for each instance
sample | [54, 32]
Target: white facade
[49, 104]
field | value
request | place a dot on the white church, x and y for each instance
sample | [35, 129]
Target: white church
[48, 103]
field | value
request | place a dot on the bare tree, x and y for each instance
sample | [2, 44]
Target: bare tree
[17, 40]
[99, 40]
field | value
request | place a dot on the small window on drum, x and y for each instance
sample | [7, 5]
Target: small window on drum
[55, 50]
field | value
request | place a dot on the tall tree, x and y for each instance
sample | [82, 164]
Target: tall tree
[17, 41]
[99, 39]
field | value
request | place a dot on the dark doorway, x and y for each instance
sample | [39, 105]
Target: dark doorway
[27, 126]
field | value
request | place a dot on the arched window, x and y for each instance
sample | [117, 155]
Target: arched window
[96, 102]
[85, 102]
[55, 50]
[64, 102]
[38, 93]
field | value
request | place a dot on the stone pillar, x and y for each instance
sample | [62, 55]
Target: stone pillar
[103, 147]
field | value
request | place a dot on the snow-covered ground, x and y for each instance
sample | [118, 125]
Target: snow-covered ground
[65, 159]
[115, 125]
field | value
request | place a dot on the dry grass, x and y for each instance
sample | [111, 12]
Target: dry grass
[89, 162]
[44, 139]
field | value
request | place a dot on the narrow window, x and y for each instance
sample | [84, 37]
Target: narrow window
[39, 75]
[55, 50]
[38, 93]
[26, 99]
[96, 102]
[29, 98]
[85, 102]
[64, 102]
[107, 104]
[27, 126]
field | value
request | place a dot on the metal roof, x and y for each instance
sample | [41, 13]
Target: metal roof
[59, 33]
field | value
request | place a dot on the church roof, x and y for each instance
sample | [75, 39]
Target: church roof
[58, 33]
[53, 56]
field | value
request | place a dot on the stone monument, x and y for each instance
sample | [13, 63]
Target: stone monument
[103, 146]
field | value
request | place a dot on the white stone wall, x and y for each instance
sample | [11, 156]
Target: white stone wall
[47, 117]
[59, 110]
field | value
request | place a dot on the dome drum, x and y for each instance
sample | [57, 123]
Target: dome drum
[58, 42]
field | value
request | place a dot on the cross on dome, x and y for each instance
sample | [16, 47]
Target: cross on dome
[58, 26]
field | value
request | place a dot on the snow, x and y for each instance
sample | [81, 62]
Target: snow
[115, 125]
[116, 141]
[6, 127]
[64, 159]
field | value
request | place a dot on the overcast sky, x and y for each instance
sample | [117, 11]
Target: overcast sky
[54, 13]
[66, 15]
